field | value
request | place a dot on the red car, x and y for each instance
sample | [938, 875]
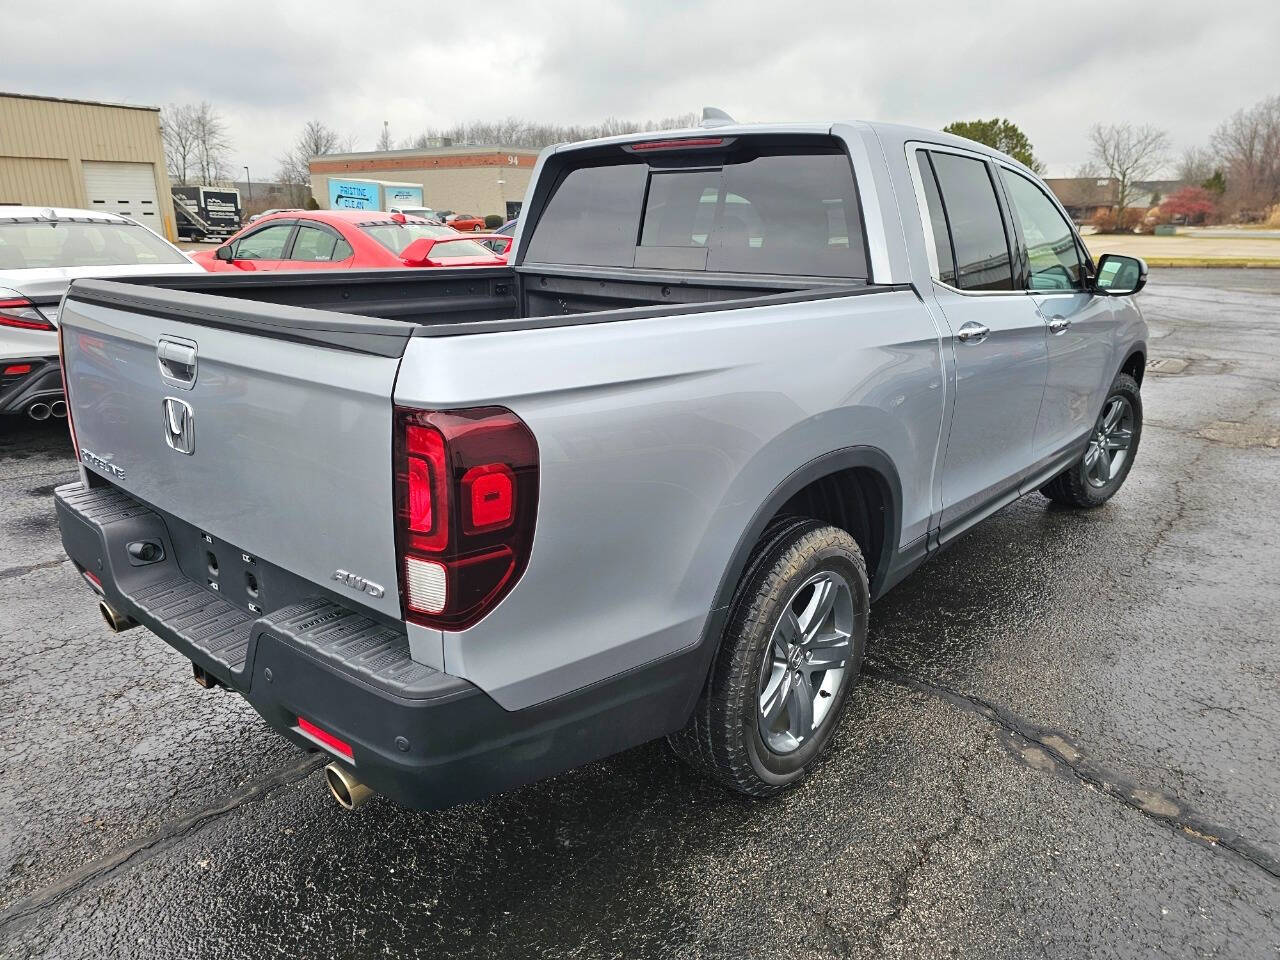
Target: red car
[344, 239]
[466, 222]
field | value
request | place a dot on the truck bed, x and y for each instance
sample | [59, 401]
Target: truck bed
[376, 311]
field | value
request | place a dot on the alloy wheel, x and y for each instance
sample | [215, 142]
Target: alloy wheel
[809, 650]
[1110, 444]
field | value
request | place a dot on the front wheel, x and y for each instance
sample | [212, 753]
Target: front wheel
[1101, 470]
[790, 653]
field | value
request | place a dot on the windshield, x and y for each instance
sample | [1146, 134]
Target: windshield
[396, 236]
[418, 212]
[66, 244]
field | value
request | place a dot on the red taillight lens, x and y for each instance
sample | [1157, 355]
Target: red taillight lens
[17, 369]
[488, 497]
[22, 313]
[466, 502]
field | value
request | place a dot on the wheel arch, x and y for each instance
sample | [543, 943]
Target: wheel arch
[867, 464]
[1135, 362]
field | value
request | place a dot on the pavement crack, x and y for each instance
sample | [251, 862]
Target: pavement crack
[143, 850]
[8, 573]
[1049, 750]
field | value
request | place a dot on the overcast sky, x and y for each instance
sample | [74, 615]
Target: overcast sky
[1054, 69]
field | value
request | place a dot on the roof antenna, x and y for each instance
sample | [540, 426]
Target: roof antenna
[715, 117]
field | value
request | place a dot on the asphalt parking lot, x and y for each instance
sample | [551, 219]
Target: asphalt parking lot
[1067, 744]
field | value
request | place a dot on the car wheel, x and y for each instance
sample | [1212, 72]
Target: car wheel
[1101, 470]
[478, 228]
[791, 650]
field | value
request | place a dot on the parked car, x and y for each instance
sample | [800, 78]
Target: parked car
[465, 222]
[42, 250]
[342, 240]
[266, 213]
[497, 243]
[459, 530]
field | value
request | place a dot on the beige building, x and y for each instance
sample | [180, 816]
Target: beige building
[476, 180]
[78, 153]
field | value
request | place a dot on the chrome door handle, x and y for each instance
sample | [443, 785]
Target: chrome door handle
[972, 333]
[1059, 324]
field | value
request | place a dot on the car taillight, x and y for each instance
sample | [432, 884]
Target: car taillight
[21, 312]
[466, 503]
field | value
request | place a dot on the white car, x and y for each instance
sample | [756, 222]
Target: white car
[42, 249]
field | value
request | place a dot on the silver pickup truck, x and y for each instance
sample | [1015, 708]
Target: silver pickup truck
[462, 529]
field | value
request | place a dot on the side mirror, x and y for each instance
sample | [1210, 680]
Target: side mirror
[1120, 276]
[223, 253]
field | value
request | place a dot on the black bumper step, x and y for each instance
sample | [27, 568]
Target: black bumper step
[97, 524]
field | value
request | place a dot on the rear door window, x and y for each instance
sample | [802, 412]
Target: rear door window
[780, 210]
[937, 220]
[318, 245]
[977, 229]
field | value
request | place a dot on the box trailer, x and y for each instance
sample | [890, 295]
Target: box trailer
[207, 212]
[348, 194]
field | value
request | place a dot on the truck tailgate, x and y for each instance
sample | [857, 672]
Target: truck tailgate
[267, 427]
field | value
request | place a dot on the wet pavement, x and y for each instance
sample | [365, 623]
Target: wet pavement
[1067, 744]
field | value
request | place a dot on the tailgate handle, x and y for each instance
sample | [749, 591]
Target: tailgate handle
[177, 361]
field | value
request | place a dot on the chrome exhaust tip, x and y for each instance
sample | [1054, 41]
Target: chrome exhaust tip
[58, 408]
[346, 789]
[39, 410]
[116, 621]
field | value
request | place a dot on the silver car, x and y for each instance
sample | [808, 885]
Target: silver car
[42, 250]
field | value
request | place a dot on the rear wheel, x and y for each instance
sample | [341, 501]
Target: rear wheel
[1101, 470]
[790, 652]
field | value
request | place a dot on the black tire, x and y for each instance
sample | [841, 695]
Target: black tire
[1073, 487]
[723, 739]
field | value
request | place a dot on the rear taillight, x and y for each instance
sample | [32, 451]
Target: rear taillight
[466, 503]
[21, 312]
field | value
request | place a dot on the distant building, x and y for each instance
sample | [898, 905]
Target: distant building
[1087, 197]
[85, 154]
[479, 180]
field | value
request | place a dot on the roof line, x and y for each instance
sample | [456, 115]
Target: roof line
[91, 103]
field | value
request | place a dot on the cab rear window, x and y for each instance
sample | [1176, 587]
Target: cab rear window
[781, 209]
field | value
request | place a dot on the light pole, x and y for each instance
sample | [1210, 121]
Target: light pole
[248, 182]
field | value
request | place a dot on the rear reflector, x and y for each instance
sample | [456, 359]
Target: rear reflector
[17, 370]
[325, 737]
[94, 580]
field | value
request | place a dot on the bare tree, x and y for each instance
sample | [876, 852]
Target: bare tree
[1249, 144]
[514, 132]
[180, 145]
[295, 166]
[212, 143]
[1197, 164]
[1128, 154]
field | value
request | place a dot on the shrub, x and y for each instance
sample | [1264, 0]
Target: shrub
[1106, 221]
[312, 204]
[493, 222]
[1196, 204]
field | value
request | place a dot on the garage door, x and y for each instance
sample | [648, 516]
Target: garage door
[128, 189]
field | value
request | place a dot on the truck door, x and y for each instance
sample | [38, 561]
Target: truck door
[997, 337]
[1080, 324]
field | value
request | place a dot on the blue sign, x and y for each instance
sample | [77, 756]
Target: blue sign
[353, 195]
[401, 196]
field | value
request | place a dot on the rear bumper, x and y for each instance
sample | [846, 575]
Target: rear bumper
[424, 738]
[44, 382]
